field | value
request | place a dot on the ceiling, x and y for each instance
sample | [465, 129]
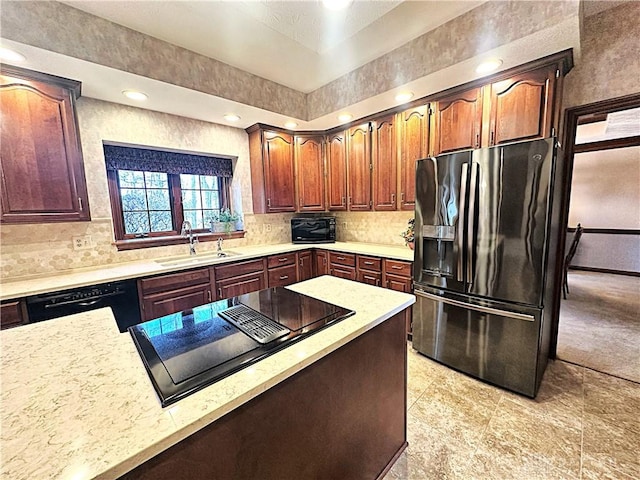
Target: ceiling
[298, 44]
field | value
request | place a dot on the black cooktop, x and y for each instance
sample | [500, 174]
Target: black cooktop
[190, 350]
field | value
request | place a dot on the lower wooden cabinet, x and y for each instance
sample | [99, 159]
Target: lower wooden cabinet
[305, 265]
[369, 270]
[174, 292]
[397, 275]
[283, 269]
[238, 278]
[13, 313]
[342, 265]
[321, 262]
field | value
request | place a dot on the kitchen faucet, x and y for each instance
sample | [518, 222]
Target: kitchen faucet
[219, 244]
[188, 231]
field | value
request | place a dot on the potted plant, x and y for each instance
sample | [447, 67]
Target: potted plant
[408, 234]
[218, 225]
[225, 221]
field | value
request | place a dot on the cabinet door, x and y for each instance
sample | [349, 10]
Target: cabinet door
[172, 301]
[372, 278]
[41, 168]
[337, 172]
[321, 262]
[310, 174]
[457, 121]
[305, 265]
[522, 107]
[385, 163]
[359, 167]
[232, 287]
[279, 172]
[414, 144]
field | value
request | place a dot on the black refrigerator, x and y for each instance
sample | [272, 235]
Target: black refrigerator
[483, 225]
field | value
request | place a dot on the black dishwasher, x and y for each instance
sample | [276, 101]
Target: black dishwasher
[121, 296]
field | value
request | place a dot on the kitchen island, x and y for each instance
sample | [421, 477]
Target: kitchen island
[77, 401]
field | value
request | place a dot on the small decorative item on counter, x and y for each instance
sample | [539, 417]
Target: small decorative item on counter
[225, 221]
[408, 234]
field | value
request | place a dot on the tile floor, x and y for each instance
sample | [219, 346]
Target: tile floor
[582, 425]
[600, 323]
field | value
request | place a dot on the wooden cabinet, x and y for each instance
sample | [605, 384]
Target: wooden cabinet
[369, 270]
[305, 265]
[414, 144]
[237, 278]
[397, 276]
[359, 167]
[384, 163]
[13, 313]
[521, 107]
[171, 293]
[321, 262]
[310, 174]
[336, 172]
[41, 167]
[271, 155]
[342, 265]
[457, 122]
[283, 269]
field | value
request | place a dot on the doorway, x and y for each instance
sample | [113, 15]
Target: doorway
[598, 324]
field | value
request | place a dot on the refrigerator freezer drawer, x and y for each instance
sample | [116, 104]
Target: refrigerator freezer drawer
[480, 338]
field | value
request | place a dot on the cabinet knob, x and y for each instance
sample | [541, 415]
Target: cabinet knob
[343, 199]
[393, 198]
[477, 140]
[269, 202]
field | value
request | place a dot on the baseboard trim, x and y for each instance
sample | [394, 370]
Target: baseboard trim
[605, 270]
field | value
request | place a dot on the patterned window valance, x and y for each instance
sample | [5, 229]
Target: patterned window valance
[131, 158]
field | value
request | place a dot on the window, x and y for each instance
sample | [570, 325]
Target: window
[154, 192]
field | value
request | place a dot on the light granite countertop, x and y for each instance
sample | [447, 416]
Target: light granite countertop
[76, 401]
[91, 276]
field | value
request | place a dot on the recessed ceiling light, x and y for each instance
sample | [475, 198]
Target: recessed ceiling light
[290, 125]
[489, 65]
[404, 97]
[336, 4]
[135, 95]
[345, 117]
[231, 117]
[11, 56]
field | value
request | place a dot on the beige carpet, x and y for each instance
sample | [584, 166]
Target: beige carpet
[600, 323]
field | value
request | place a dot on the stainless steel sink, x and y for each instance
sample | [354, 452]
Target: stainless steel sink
[208, 257]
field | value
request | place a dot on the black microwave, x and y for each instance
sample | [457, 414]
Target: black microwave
[313, 229]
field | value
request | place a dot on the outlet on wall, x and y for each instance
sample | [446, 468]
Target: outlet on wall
[82, 242]
[267, 227]
[344, 225]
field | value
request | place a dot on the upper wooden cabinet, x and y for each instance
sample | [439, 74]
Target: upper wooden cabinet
[521, 107]
[385, 163]
[310, 173]
[41, 165]
[359, 167]
[337, 171]
[457, 122]
[414, 142]
[271, 155]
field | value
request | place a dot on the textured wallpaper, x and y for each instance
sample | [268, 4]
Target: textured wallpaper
[610, 63]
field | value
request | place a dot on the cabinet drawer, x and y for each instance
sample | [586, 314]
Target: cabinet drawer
[343, 272]
[372, 278]
[165, 303]
[369, 263]
[347, 259]
[174, 280]
[279, 277]
[281, 260]
[239, 268]
[232, 287]
[397, 267]
[12, 313]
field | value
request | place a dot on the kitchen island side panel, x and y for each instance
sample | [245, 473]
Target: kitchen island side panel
[341, 417]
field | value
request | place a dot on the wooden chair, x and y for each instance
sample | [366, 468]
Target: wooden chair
[569, 257]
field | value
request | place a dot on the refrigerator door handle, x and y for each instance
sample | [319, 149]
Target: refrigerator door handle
[471, 233]
[479, 308]
[461, 221]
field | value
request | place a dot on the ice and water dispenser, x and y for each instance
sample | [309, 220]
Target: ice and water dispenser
[438, 250]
